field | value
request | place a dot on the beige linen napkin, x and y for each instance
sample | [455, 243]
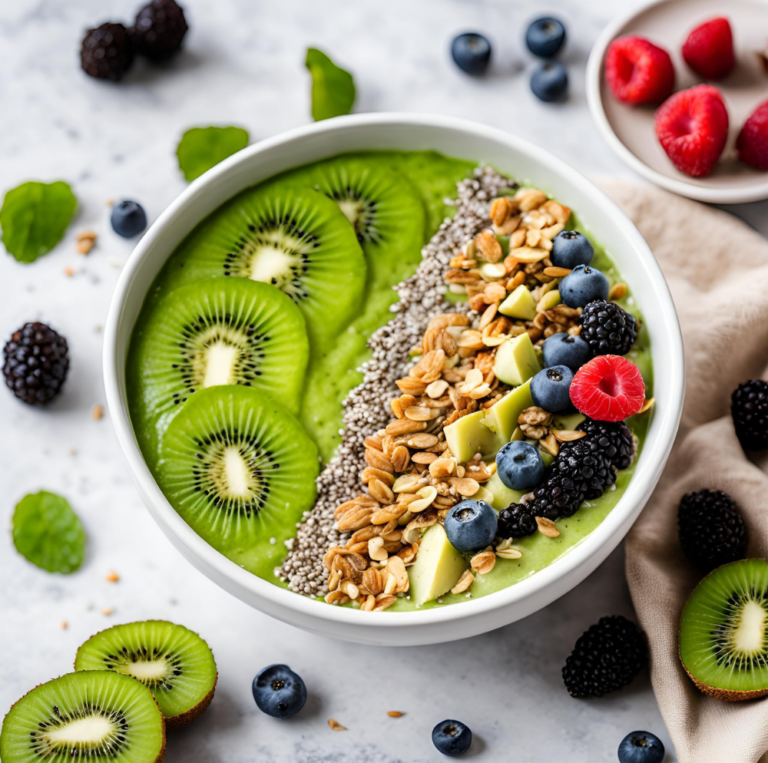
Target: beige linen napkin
[717, 269]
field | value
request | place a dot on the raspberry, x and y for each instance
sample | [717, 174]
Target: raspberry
[159, 29]
[36, 363]
[608, 388]
[709, 49]
[638, 71]
[752, 143]
[749, 408]
[692, 127]
[107, 52]
[607, 328]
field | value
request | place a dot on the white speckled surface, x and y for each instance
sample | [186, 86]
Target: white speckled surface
[244, 65]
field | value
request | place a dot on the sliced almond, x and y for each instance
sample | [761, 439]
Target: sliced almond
[567, 435]
[549, 444]
[421, 441]
[556, 272]
[647, 405]
[406, 483]
[547, 527]
[465, 581]
[427, 496]
[529, 254]
[437, 388]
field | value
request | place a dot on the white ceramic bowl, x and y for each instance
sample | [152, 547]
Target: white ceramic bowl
[455, 138]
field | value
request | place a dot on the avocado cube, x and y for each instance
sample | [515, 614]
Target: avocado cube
[502, 416]
[502, 495]
[437, 568]
[516, 361]
[519, 304]
[469, 435]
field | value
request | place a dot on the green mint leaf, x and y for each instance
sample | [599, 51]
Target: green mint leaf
[34, 218]
[47, 532]
[204, 147]
[333, 88]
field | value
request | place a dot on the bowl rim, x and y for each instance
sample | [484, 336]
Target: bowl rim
[637, 493]
[758, 192]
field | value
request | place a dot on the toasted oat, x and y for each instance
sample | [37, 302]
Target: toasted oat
[647, 405]
[334, 725]
[394, 714]
[556, 272]
[97, 412]
[69, 272]
[550, 444]
[509, 553]
[107, 611]
[567, 435]
[483, 562]
[618, 291]
[464, 582]
[426, 495]
[547, 527]
[488, 246]
[112, 577]
[63, 625]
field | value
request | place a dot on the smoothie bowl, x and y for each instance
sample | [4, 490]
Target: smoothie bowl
[394, 379]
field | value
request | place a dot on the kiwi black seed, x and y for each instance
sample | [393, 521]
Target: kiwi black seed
[291, 237]
[220, 331]
[90, 716]
[240, 470]
[388, 216]
[724, 632]
[173, 662]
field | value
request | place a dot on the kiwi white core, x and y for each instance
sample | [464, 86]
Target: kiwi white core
[220, 363]
[749, 634]
[270, 263]
[89, 730]
[239, 483]
[352, 209]
[146, 670]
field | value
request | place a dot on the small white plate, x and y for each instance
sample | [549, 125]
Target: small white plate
[630, 129]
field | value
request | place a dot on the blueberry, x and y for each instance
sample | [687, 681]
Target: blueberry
[570, 248]
[566, 350]
[550, 389]
[545, 37]
[471, 52]
[584, 284]
[641, 747]
[549, 82]
[471, 526]
[128, 218]
[520, 465]
[452, 737]
[279, 691]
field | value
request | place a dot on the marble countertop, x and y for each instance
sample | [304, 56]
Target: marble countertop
[244, 65]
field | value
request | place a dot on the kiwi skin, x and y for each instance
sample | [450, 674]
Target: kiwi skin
[182, 719]
[724, 695]
[161, 753]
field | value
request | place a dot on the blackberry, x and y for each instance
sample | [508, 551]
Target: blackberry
[606, 657]
[749, 408]
[607, 328]
[614, 439]
[585, 463]
[159, 29]
[36, 363]
[516, 521]
[559, 496]
[107, 52]
[712, 532]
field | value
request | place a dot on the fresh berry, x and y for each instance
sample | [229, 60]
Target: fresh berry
[606, 657]
[613, 437]
[571, 248]
[712, 532]
[36, 363]
[565, 350]
[709, 49]
[128, 219]
[608, 388]
[471, 52]
[586, 465]
[692, 127]
[550, 389]
[752, 143]
[560, 496]
[549, 82]
[639, 72]
[641, 747]
[749, 408]
[107, 52]
[545, 37]
[159, 29]
[607, 328]
[451, 738]
[520, 465]
[584, 284]
[516, 521]
[279, 691]
[471, 526]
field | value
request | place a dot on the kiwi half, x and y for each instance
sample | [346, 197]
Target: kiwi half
[291, 237]
[90, 716]
[388, 216]
[240, 470]
[220, 331]
[173, 662]
[724, 632]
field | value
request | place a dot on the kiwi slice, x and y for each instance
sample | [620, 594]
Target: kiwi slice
[91, 716]
[240, 470]
[219, 331]
[724, 632]
[174, 663]
[388, 216]
[291, 237]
